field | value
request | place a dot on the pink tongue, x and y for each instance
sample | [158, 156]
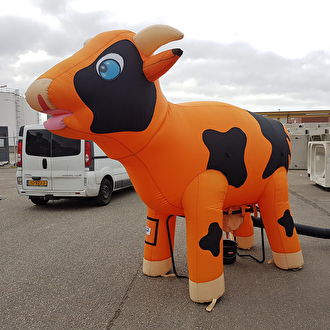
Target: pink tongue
[56, 122]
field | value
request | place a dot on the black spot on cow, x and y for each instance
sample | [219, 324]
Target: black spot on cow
[287, 222]
[227, 154]
[125, 103]
[274, 132]
[211, 241]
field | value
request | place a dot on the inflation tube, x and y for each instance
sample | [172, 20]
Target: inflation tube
[301, 229]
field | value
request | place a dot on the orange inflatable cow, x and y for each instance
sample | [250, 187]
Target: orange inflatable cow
[194, 159]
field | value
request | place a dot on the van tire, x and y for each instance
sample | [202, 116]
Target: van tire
[39, 200]
[105, 192]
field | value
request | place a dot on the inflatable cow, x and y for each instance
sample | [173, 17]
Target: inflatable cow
[196, 160]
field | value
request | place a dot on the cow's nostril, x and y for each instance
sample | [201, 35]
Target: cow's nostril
[37, 95]
[42, 103]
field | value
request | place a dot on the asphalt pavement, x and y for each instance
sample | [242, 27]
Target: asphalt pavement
[71, 265]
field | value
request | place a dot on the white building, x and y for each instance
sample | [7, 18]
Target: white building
[14, 113]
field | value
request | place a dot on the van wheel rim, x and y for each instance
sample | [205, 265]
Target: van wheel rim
[105, 191]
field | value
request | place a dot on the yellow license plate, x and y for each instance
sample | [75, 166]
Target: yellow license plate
[40, 183]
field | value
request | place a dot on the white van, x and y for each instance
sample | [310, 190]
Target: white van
[53, 167]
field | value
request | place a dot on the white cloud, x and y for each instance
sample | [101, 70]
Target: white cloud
[255, 54]
[240, 74]
[30, 57]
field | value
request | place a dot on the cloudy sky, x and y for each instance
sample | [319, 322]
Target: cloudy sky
[256, 54]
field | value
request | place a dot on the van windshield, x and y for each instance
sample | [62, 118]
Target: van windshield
[42, 143]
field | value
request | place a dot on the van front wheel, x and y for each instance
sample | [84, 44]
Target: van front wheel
[39, 200]
[105, 193]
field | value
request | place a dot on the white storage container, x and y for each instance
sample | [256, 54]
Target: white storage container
[320, 163]
[299, 152]
[309, 157]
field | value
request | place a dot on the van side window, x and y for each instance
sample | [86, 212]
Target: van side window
[62, 146]
[38, 143]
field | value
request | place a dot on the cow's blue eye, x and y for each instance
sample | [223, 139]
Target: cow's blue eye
[109, 69]
[110, 66]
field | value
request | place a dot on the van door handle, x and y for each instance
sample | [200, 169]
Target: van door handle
[44, 163]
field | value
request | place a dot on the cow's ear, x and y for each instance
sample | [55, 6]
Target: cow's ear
[154, 36]
[156, 65]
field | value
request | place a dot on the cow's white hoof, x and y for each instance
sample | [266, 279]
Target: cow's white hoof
[288, 260]
[207, 291]
[156, 268]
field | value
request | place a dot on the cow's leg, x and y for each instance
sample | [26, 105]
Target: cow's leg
[281, 233]
[157, 255]
[203, 203]
[245, 233]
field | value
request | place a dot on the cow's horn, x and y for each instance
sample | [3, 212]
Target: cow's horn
[154, 36]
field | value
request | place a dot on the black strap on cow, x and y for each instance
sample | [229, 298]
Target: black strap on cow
[171, 248]
[263, 249]
[240, 255]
